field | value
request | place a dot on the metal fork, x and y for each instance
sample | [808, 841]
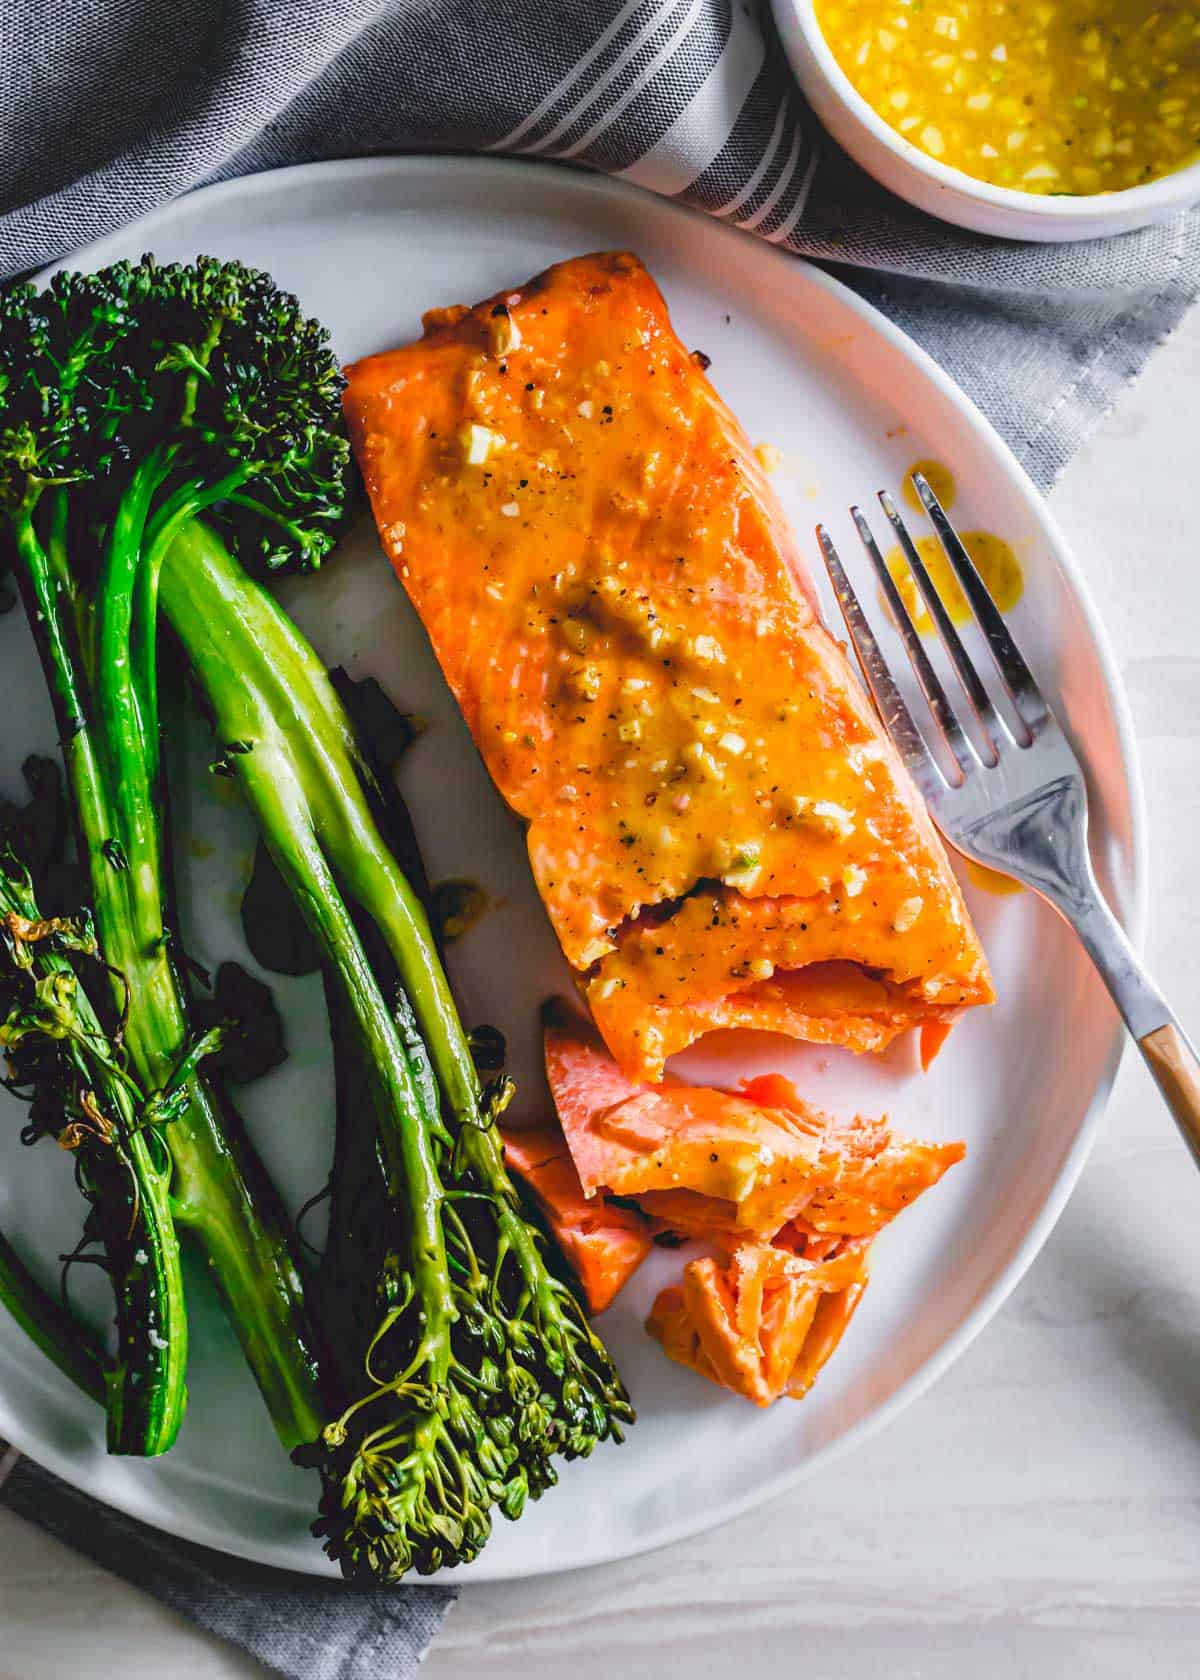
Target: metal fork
[1017, 802]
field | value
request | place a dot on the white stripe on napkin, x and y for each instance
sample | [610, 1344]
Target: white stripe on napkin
[702, 128]
[563, 89]
[785, 227]
[764, 163]
[645, 76]
[778, 190]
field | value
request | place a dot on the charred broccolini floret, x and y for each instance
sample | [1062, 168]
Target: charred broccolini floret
[132, 400]
[67, 1066]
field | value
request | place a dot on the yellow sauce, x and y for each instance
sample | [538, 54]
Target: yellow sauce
[994, 560]
[991, 880]
[1046, 96]
[940, 480]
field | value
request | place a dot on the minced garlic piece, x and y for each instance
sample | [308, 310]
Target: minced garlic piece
[821, 813]
[907, 913]
[587, 681]
[504, 332]
[707, 650]
[699, 757]
[479, 442]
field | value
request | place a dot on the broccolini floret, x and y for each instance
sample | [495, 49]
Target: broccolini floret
[69, 1068]
[132, 400]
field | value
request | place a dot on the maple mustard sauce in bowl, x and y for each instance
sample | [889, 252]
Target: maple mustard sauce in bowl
[1050, 119]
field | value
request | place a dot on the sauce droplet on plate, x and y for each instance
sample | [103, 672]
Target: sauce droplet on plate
[994, 560]
[941, 482]
[991, 880]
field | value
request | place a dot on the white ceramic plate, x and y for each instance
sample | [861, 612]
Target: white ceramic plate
[850, 403]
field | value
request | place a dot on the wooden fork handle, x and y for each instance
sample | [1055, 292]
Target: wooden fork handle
[1176, 1067]
[1168, 1051]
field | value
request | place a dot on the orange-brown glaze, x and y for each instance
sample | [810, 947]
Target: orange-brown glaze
[616, 601]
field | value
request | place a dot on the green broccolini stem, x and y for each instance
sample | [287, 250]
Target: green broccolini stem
[273, 656]
[258, 636]
[48, 1324]
[202, 587]
[183, 504]
[131, 1184]
[220, 1190]
[280, 807]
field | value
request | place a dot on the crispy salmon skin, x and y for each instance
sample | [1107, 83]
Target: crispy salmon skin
[718, 826]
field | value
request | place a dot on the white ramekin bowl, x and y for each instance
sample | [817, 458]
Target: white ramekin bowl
[949, 193]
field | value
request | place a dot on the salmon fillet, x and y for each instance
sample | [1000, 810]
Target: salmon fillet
[717, 824]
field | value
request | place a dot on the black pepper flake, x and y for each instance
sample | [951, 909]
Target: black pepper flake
[702, 361]
[530, 386]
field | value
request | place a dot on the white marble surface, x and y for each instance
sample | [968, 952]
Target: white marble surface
[1035, 1517]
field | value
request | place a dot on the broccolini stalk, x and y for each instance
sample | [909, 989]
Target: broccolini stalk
[131, 399]
[481, 1367]
[80, 1094]
[49, 1325]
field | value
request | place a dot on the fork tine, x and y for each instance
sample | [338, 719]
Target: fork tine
[944, 714]
[897, 719]
[1018, 679]
[990, 720]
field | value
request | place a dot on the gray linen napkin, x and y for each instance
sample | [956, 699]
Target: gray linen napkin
[297, 1626]
[109, 108]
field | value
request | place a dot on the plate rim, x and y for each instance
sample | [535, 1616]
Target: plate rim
[422, 165]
